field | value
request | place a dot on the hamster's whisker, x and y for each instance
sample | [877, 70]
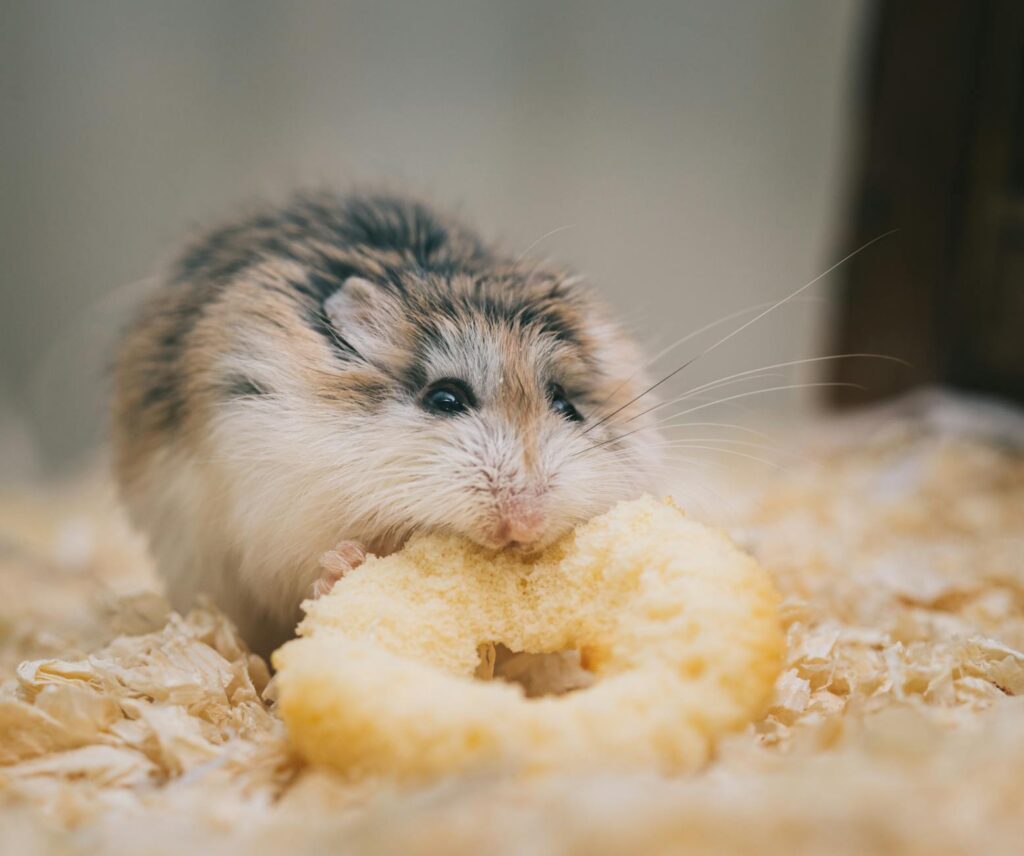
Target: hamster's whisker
[694, 393]
[693, 397]
[692, 335]
[763, 447]
[700, 462]
[744, 326]
[721, 401]
[738, 454]
[768, 447]
[746, 429]
[751, 374]
[748, 393]
[710, 326]
[791, 386]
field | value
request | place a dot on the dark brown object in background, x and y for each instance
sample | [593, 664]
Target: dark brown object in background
[942, 160]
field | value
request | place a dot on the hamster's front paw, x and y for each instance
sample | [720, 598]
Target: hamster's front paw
[346, 556]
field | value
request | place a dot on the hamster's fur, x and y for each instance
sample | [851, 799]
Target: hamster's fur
[357, 368]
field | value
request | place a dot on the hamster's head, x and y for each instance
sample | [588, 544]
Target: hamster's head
[496, 406]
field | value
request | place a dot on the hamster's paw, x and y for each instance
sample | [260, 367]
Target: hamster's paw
[346, 556]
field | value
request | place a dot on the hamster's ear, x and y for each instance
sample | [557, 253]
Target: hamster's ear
[362, 313]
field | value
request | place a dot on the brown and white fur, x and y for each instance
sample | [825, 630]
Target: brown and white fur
[277, 396]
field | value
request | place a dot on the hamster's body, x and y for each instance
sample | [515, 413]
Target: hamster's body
[357, 368]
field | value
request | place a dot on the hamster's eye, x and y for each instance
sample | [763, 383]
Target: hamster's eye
[448, 397]
[561, 404]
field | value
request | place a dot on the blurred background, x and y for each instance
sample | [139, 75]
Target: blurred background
[692, 158]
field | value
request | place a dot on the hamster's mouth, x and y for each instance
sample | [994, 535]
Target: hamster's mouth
[517, 547]
[526, 549]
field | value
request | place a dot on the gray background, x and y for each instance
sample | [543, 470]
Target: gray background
[695, 151]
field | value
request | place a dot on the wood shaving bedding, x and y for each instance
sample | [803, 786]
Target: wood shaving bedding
[897, 725]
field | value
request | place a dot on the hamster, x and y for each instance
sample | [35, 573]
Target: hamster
[334, 374]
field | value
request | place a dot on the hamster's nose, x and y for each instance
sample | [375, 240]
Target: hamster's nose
[519, 524]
